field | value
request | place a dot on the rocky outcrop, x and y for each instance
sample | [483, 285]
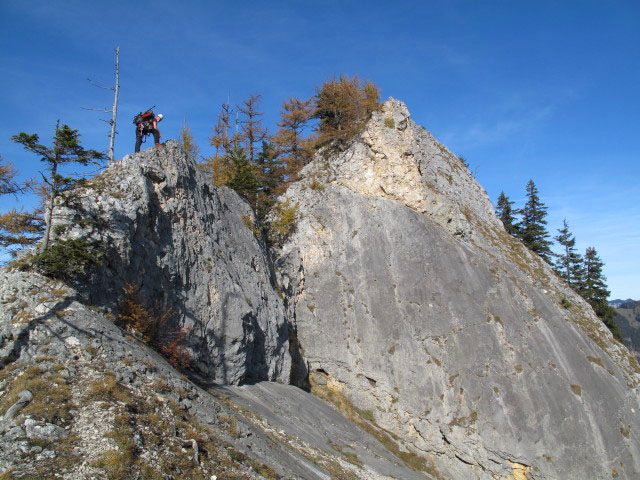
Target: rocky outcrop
[186, 246]
[102, 404]
[407, 298]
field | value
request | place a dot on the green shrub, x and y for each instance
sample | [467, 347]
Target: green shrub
[389, 122]
[68, 259]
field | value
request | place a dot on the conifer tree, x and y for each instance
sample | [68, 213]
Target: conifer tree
[596, 292]
[569, 263]
[187, 141]
[218, 166]
[506, 214]
[17, 228]
[251, 124]
[220, 138]
[243, 177]
[66, 149]
[343, 106]
[532, 230]
[8, 183]
[20, 229]
[269, 179]
[290, 146]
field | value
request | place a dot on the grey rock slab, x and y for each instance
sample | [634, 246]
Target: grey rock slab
[313, 421]
[448, 330]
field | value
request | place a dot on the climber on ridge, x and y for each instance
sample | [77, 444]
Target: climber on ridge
[147, 122]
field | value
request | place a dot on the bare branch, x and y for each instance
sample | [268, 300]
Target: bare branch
[96, 109]
[99, 86]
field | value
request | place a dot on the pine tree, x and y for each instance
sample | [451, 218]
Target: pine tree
[532, 230]
[506, 214]
[569, 263]
[66, 149]
[596, 292]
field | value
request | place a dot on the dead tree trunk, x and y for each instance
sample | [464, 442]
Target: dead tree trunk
[114, 108]
[112, 135]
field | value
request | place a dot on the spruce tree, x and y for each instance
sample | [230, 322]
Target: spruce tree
[596, 292]
[532, 230]
[569, 263]
[268, 178]
[243, 175]
[506, 214]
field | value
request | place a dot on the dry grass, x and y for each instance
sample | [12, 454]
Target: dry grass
[51, 396]
[366, 420]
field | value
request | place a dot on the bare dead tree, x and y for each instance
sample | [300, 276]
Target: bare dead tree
[114, 108]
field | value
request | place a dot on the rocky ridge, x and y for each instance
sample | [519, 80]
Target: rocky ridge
[449, 349]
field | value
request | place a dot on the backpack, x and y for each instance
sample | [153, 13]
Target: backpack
[144, 117]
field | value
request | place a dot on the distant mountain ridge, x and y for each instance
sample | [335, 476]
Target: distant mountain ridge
[617, 303]
[628, 321]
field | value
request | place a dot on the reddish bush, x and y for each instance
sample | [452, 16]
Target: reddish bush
[153, 329]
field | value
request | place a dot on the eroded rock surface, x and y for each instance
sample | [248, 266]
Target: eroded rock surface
[102, 404]
[185, 245]
[408, 298]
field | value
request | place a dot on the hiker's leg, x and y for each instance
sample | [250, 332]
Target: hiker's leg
[156, 135]
[138, 141]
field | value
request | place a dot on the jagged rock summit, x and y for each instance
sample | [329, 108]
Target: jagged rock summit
[185, 246]
[407, 298]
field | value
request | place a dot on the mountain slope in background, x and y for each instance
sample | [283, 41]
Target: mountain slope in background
[628, 321]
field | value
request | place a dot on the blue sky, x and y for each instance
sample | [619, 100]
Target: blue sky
[542, 90]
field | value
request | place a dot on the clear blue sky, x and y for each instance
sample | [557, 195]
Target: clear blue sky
[541, 90]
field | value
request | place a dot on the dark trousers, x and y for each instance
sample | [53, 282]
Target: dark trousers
[140, 134]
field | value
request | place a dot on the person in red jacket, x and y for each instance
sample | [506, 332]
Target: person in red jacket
[148, 126]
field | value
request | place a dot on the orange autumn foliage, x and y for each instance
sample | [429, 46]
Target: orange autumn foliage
[153, 329]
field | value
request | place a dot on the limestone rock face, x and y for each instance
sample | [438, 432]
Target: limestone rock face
[407, 297]
[94, 390]
[186, 246]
